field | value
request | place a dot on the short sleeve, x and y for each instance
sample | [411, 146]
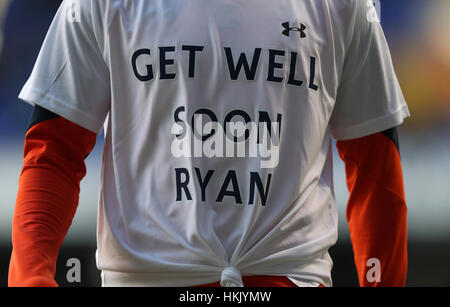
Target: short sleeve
[70, 77]
[369, 98]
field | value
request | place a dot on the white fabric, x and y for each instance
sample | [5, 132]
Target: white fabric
[231, 277]
[171, 217]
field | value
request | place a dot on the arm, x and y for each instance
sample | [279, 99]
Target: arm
[47, 198]
[376, 210]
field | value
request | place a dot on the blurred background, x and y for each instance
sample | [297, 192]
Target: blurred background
[418, 33]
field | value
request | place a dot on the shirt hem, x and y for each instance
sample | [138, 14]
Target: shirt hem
[34, 96]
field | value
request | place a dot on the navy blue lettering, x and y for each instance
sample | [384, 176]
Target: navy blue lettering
[255, 180]
[230, 178]
[312, 74]
[182, 185]
[292, 80]
[192, 52]
[203, 182]
[264, 117]
[164, 62]
[250, 72]
[228, 119]
[213, 118]
[180, 121]
[274, 65]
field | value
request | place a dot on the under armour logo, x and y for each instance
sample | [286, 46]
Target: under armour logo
[374, 11]
[288, 29]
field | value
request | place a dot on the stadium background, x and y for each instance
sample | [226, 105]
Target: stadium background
[418, 33]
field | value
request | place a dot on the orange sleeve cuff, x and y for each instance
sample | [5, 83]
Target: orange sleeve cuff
[47, 198]
[376, 210]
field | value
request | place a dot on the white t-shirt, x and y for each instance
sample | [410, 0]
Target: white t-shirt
[3, 10]
[218, 123]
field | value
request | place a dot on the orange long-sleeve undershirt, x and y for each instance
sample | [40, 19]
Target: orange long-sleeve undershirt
[47, 198]
[376, 210]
